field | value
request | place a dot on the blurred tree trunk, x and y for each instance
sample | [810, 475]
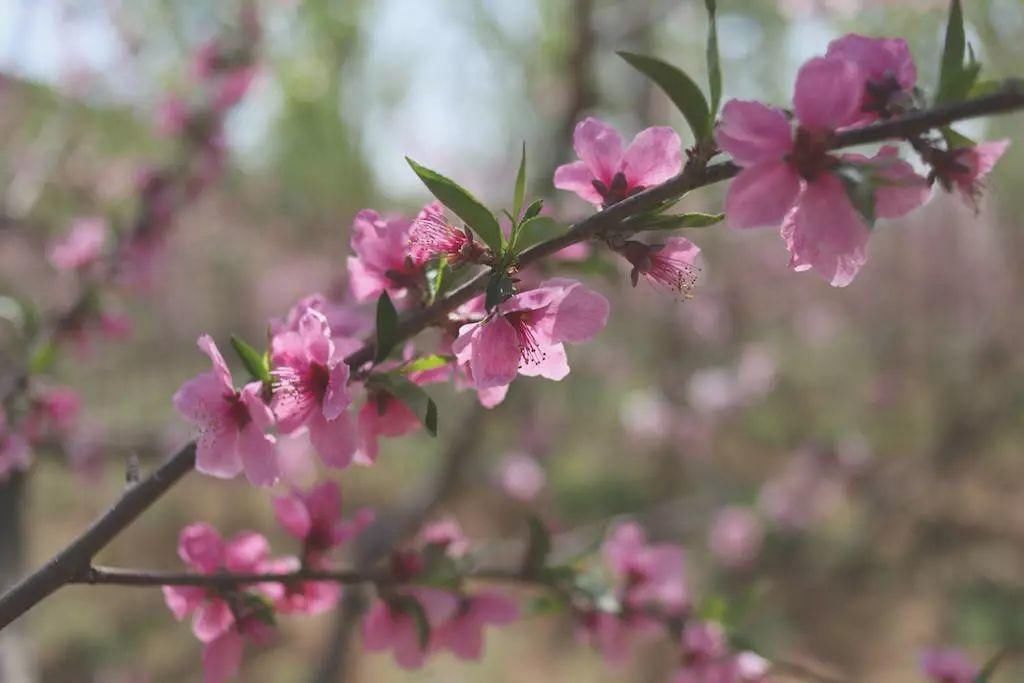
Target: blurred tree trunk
[15, 660]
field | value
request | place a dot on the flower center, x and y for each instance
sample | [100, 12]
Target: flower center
[237, 409]
[319, 378]
[529, 348]
[617, 191]
[810, 155]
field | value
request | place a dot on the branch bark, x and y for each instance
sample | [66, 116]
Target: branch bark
[72, 562]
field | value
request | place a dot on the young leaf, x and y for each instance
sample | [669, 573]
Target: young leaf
[538, 548]
[387, 327]
[680, 88]
[682, 220]
[955, 140]
[714, 63]
[955, 78]
[435, 278]
[42, 358]
[254, 361]
[533, 209]
[534, 230]
[413, 396]
[499, 288]
[520, 192]
[425, 363]
[463, 204]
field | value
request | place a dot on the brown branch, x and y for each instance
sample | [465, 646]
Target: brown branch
[71, 562]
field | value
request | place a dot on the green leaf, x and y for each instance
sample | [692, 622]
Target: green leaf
[538, 548]
[435, 278]
[860, 188]
[955, 140]
[499, 288]
[714, 63]
[955, 78]
[255, 363]
[412, 395]
[989, 670]
[463, 204]
[520, 192]
[680, 88]
[425, 363]
[544, 605]
[536, 230]
[387, 327]
[682, 220]
[983, 88]
[42, 358]
[533, 209]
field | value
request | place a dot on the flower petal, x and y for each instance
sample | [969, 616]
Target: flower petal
[246, 551]
[752, 132]
[551, 363]
[828, 93]
[222, 658]
[211, 620]
[335, 440]
[576, 177]
[220, 367]
[337, 398]
[293, 515]
[825, 232]
[259, 458]
[495, 358]
[217, 452]
[654, 156]
[600, 148]
[761, 195]
[579, 316]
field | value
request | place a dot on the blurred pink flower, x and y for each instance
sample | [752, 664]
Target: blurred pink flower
[54, 413]
[231, 423]
[948, 666]
[314, 517]
[381, 261]
[382, 415]
[172, 116]
[14, 450]
[614, 635]
[447, 534]
[462, 633]
[606, 174]
[708, 659]
[391, 625]
[889, 70]
[301, 597]
[966, 169]
[525, 333]
[736, 537]
[651, 575]
[312, 389]
[81, 246]
[521, 477]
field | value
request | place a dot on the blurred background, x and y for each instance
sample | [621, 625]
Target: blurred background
[871, 434]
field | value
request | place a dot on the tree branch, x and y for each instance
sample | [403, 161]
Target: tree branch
[72, 562]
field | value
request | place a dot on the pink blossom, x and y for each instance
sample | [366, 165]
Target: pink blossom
[792, 178]
[301, 597]
[53, 414]
[431, 235]
[172, 116]
[521, 477]
[383, 415]
[311, 389]
[948, 666]
[525, 334]
[615, 635]
[888, 67]
[707, 658]
[231, 423]
[736, 536]
[14, 451]
[652, 575]
[966, 169]
[314, 517]
[381, 262]
[222, 657]
[203, 549]
[671, 266]
[447, 534]
[392, 624]
[606, 174]
[81, 246]
[462, 633]
[347, 321]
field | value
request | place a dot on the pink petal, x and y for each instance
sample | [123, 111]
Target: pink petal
[222, 658]
[654, 156]
[378, 627]
[220, 367]
[492, 397]
[437, 603]
[200, 400]
[464, 636]
[495, 358]
[182, 600]
[902, 190]
[828, 93]
[623, 543]
[364, 283]
[316, 336]
[409, 653]
[334, 440]
[761, 195]
[879, 58]
[600, 148]
[337, 398]
[552, 363]
[824, 232]
[496, 608]
[258, 456]
[201, 546]
[324, 502]
[293, 516]
[579, 316]
[217, 452]
[576, 177]
[246, 551]
[753, 133]
[211, 620]
[259, 412]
